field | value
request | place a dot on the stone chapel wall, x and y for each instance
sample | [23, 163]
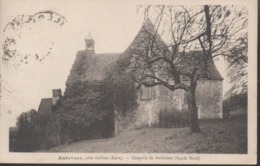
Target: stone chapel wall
[209, 102]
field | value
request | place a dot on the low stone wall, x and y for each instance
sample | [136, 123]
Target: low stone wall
[145, 115]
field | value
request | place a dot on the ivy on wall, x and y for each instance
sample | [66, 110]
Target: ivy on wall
[85, 106]
[121, 85]
[84, 103]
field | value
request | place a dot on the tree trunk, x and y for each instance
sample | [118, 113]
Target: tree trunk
[58, 127]
[193, 112]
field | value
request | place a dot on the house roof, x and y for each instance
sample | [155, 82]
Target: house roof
[147, 31]
[187, 60]
[89, 66]
[45, 107]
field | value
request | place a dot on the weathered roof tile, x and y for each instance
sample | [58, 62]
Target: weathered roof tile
[45, 107]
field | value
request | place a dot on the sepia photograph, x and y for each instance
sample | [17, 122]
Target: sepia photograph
[134, 82]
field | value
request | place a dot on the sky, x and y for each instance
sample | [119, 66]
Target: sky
[112, 24]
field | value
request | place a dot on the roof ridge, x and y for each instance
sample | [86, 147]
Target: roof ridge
[112, 53]
[46, 98]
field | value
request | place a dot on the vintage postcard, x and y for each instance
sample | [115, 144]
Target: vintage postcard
[137, 82]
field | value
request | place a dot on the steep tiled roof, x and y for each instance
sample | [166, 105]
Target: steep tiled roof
[89, 66]
[195, 58]
[187, 60]
[45, 107]
[147, 31]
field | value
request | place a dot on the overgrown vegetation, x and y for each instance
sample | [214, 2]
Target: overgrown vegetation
[234, 102]
[237, 59]
[85, 112]
[121, 85]
[173, 119]
[23, 137]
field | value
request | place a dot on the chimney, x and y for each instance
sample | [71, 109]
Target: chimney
[56, 95]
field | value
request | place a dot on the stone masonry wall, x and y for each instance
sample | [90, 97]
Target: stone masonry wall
[209, 99]
[209, 102]
[147, 112]
[146, 115]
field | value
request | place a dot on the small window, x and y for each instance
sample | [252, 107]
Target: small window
[147, 93]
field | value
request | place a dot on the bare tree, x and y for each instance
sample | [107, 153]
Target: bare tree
[237, 67]
[189, 50]
[58, 127]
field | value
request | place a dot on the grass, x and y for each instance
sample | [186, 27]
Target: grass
[217, 136]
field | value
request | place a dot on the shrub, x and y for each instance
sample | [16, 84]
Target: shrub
[85, 112]
[23, 137]
[121, 85]
[173, 118]
[234, 102]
